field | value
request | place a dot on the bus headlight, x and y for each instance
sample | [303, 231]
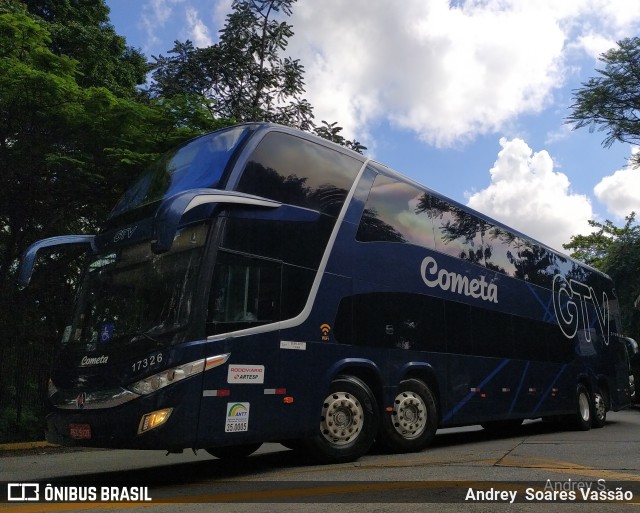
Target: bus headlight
[167, 377]
[153, 420]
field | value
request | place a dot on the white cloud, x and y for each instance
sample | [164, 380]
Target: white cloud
[219, 12]
[528, 195]
[163, 23]
[447, 72]
[620, 192]
[155, 14]
[197, 30]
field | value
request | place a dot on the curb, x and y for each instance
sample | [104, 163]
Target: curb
[21, 446]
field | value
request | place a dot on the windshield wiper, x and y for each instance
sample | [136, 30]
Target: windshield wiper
[153, 332]
[139, 336]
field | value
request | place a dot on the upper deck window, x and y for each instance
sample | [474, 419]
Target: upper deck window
[299, 172]
[395, 212]
[199, 163]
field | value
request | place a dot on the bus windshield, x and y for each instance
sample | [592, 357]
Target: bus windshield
[197, 164]
[133, 294]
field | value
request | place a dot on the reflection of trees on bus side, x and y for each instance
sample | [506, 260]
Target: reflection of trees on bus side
[291, 189]
[372, 228]
[459, 233]
[498, 249]
[533, 263]
[437, 224]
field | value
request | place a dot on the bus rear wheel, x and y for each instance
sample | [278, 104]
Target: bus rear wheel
[412, 424]
[599, 410]
[348, 422]
[234, 451]
[584, 413]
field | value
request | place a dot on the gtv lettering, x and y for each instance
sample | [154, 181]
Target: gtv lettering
[457, 283]
[574, 315]
[125, 233]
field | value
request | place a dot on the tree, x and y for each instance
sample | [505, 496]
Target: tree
[609, 103]
[66, 153]
[331, 132]
[243, 76]
[81, 30]
[615, 251]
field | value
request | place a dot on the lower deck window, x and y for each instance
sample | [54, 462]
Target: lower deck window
[245, 292]
[251, 291]
[423, 323]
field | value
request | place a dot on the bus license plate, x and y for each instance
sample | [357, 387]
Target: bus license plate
[80, 431]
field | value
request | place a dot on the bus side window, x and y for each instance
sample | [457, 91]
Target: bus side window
[391, 320]
[492, 333]
[457, 233]
[245, 292]
[498, 250]
[396, 212]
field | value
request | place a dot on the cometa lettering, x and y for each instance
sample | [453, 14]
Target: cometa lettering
[98, 360]
[454, 282]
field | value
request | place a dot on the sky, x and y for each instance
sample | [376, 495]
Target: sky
[468, 97]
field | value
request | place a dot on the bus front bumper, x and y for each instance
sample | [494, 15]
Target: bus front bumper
[166, 420]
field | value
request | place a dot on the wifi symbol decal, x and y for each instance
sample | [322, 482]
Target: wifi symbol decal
[325, 329]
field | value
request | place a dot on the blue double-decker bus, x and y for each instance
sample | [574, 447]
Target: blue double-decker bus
[259, 284]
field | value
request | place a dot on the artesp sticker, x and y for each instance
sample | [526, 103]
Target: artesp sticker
[241, 373]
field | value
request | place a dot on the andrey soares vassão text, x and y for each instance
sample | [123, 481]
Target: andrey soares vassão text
[554, 491]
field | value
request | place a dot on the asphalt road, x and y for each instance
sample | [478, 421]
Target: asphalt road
[451, 475]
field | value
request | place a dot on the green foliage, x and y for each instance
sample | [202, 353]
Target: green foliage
[243, 77]
[70, 142]
[81, 30]
[25, 427]
[331, 132]
[75, 130]
[615, 251]
[609, 103]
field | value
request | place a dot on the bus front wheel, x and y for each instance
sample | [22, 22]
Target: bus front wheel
[348, 422]
[412, 423]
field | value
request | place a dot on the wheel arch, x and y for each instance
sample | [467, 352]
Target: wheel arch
[604, 389]
[363, 369]
[424, 372]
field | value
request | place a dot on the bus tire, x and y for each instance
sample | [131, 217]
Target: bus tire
[234, 451]
[348, 422]
[412, 424]
[584, 414]
[599, 410]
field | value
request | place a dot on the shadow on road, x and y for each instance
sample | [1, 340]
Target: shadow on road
[177, 474]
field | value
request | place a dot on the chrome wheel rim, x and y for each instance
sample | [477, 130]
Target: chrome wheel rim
[600, 407]
[409, 416]
[342, 418]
